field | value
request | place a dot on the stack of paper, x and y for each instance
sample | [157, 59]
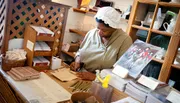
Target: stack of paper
[37, 47]
[115, 81]
[159, 95]
[41, 46]
[137, 91]
[42, 31]
[40, 61]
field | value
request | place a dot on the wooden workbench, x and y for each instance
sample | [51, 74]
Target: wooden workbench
[20, 97]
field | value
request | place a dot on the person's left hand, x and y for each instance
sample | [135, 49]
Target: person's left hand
[86, 75]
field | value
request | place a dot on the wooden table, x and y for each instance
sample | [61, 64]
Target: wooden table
[116, 94]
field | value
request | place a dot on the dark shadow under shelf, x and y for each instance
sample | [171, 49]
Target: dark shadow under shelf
[69, 53]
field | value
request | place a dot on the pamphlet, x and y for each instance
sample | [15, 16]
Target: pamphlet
[137, 57]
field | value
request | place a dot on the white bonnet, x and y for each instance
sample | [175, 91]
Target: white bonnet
[110, 16]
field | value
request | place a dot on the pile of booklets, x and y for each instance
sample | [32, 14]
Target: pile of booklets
[137, 91]
[115, 81]
[159, 95]
[40, 61]
[23, 73]
[41, 46]
[42, 31]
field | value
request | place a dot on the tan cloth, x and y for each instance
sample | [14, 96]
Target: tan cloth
[96, 55]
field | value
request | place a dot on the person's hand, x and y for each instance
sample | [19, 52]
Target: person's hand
[86, 75]
[75, 65]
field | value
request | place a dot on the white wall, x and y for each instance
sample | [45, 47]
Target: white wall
[74, 19]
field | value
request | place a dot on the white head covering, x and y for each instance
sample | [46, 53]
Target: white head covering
[110, 16]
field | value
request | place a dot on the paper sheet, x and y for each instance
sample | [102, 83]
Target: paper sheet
[148, 82]
[42, 90]
[126, 100]
[174, 97]
[64, 74]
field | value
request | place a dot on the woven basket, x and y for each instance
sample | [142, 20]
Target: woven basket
[8, 64]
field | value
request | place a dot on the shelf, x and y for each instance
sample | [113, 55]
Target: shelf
[162, 32]
[158, 60]
[41, 68]
[176, 66]
[79, 10]
[167, 4]
[148, 1]
[83, 11]
[45, 38]
[140, 27]
[42, 53]
[77, 32]
[69, 53]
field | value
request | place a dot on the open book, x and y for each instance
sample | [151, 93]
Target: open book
[136, 58]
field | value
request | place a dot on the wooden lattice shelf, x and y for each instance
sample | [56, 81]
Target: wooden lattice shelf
[38, 12]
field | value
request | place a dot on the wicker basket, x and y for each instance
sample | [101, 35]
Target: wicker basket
[8, 64]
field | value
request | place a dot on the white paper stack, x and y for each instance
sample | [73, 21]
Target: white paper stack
[41, 46]
[137, 91]
[44, 46]
[40, 61]
[159, 95]
[115, 81]
[43, 31]
[37, 47]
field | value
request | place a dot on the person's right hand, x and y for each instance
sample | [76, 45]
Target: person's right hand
[74, 66]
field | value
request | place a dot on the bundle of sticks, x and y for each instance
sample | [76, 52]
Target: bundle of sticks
[81, 86]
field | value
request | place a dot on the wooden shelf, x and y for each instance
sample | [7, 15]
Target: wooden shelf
[42, 53]
[140, 27]
[79, 10]
[83, 11]
[77, 32]
[41, 68]
[45, 38]
[69, 53]
[158, 60]
[148, 1]
[176, 66]
[138, 10]
[167, 4]
[162, 32]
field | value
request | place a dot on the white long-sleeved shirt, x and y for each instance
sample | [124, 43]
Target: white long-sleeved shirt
[96, 55]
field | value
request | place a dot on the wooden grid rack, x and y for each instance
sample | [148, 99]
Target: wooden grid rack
[37, 12]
